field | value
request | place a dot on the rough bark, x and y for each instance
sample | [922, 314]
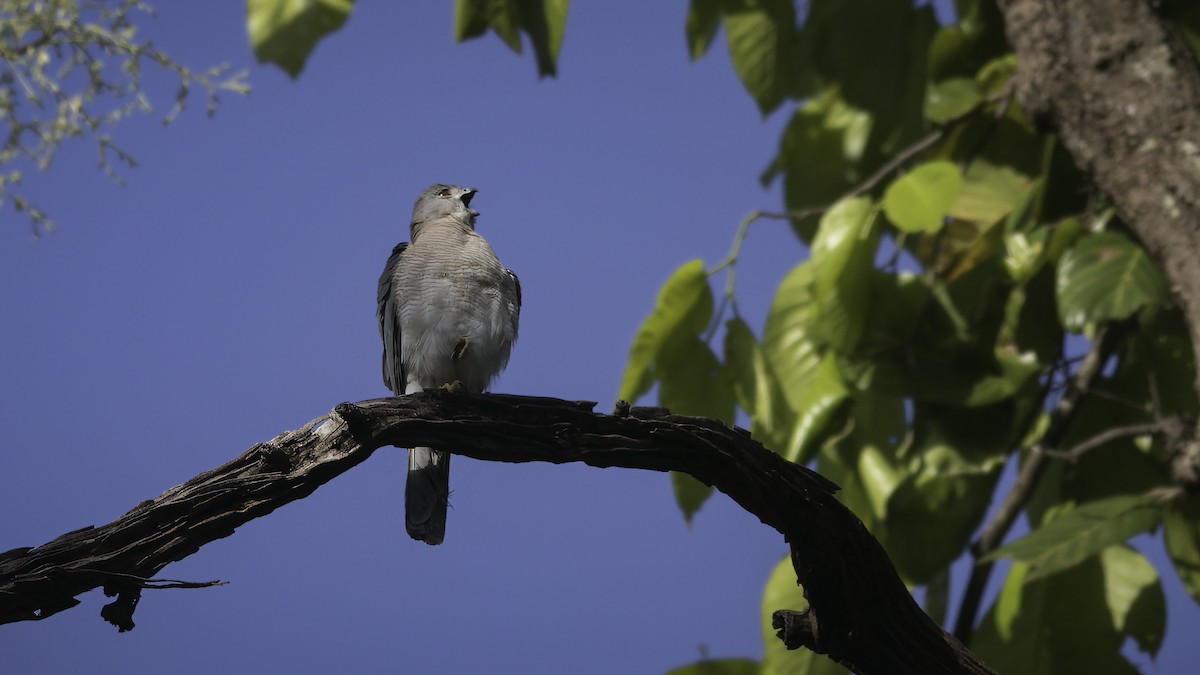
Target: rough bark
[1123, 93]
[860, 612]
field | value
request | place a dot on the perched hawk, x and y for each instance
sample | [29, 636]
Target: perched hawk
[447, 313]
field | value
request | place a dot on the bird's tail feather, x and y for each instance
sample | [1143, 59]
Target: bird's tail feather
[426, 493]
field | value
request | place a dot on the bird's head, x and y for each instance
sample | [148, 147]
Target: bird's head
[438, 201]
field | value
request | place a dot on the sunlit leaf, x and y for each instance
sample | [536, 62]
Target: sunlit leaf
[1008, 602]
[762, 48]
[1081, 533]
[1134, 596]
[284, 32]
[819, 402]
[787, 341]
[919, 200]
[843, 254]
[1105, 276]
[756, 388]
[683, 308]
[989, 192]
[951, 99]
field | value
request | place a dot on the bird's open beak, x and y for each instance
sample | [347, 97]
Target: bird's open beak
[468, 195]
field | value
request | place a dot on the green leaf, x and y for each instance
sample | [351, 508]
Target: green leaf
[1015, 370]
[820, 400]
[919, 200]
[875, 53]
[690, 494]
[284, 32]
[953, 462]
[951, 99]
[961, 49]
[1062, 625]
[692, 382]
[703, 19]
[989, 193]
[844, 254]
[470, 19]
[1008, 602]
[782, 592]
[1082, 532]
[718, 667]
[1134, 597]
[762, 48]
[874, 423]
[810, 383]
[787, 341]
[1181, 536]
[544, 21]
[820, 148]
[683, 308]
[756, 388]
[879, 476]
[1105, 276]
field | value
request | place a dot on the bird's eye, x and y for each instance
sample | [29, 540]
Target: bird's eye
[444, 192]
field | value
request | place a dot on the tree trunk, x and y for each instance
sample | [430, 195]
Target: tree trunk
[1123, 93]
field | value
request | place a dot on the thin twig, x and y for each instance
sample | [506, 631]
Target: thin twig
[1031, 471]
[1080, 449]
[882, 172]
[729, 262]
[143, 582]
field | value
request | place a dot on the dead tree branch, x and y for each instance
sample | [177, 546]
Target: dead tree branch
[860, 612]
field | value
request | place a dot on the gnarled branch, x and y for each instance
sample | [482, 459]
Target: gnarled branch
[858, 606]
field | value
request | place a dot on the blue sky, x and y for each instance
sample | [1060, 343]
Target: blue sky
[227, 292]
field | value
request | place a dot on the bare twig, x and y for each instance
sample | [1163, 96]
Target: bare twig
[153, 584]
[1027, 478]
[1080, 449]
[882, 172]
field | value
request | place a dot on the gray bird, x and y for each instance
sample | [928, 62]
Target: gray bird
[447, 313]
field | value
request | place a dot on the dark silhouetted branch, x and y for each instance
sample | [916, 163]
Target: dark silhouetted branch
[858, 606]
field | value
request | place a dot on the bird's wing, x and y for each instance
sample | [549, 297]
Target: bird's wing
[389, 323]
[516, 310]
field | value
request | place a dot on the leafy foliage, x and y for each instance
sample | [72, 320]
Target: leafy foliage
[957, 262]
[72, 69]
[1080, 533]
[543, 21]
[284, 32]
